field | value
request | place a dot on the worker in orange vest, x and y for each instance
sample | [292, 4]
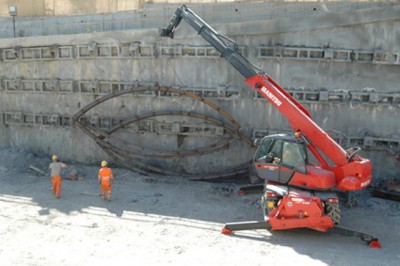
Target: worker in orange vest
[55, 173]
[105, 179]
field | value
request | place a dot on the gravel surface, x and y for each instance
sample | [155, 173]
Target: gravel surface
[159, 220]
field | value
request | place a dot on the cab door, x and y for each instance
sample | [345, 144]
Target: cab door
[278, 159]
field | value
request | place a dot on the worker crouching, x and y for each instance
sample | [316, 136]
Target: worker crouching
[105, 179]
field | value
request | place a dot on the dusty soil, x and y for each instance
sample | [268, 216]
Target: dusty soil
[154, 220]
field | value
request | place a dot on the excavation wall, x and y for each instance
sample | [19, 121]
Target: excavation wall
[176, 106]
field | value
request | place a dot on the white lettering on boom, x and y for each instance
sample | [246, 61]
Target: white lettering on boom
[272, 97]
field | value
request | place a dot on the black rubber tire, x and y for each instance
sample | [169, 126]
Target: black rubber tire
[333, 210]
[264, 207]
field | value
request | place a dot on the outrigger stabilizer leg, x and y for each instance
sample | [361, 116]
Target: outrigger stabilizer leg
[372, 241]
[229, 228]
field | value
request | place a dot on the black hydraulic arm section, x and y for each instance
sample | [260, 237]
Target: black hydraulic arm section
[219, 42]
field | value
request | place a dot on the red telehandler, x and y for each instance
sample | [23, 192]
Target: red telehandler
[296, 192]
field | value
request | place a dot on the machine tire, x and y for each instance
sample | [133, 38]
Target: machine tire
[333, 210]
[264, 208]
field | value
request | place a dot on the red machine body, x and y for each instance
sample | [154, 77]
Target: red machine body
[351, 172]
[300, 209]
[297, 194]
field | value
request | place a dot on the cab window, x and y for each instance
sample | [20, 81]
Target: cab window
[263, 149]
[294, 156]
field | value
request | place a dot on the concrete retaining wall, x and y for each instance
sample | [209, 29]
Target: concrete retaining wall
[343, 66]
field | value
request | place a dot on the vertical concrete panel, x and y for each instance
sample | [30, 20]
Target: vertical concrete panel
[25, 8]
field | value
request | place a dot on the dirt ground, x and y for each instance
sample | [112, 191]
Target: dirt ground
[155, 220]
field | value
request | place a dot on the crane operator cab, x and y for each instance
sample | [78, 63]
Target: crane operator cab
[283, 159]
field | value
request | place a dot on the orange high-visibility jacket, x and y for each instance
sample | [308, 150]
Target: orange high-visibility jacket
[105, 175]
